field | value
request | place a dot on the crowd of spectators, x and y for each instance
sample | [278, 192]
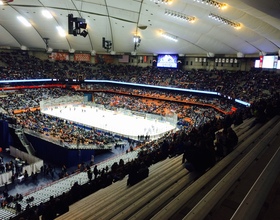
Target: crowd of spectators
[200, 116]
[60, 129]
[66, 132]
[19, 65]
[245, 85]
[221, 103]
[195, 143]
[30, 98]
[197, 147]
[191, 115]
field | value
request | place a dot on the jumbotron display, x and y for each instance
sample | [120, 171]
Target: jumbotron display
[268, 62]
[167, 60]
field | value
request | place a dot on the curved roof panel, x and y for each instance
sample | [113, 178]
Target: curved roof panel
[118, 21]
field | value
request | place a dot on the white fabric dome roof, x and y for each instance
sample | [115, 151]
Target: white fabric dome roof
[119, 20]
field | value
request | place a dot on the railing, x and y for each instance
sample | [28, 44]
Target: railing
[65, 144]
[29, 146]
[24, 141]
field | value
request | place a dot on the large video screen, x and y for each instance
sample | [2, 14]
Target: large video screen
[269, 62]
[167, 60]
[257, 63]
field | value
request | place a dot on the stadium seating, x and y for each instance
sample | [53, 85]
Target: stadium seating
[164, 182]
[171, 208]
[257, 194]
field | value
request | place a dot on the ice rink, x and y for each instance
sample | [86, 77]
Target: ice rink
[111, 121]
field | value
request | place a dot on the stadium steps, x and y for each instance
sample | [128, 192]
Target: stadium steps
[109, 193]
[163, 178]
[271, 206]
[107, 200]
[122, 202]
[150, 208]
[119, 185]
[65, 184]
[92, 209]
[7, 213]
[242, 128]
[186, 200]
[226, 207]
[155, 198]
[238, 181]
[25, 143]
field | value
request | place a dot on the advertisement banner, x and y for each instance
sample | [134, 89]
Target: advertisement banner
[59, 56]
[82, 57]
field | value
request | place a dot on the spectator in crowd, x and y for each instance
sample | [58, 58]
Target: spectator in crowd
[197, 123]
